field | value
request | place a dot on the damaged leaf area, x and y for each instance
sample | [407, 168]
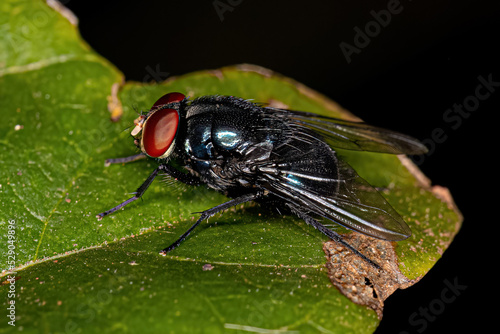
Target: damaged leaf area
[65, 110]
[358, 280]
[430, 211]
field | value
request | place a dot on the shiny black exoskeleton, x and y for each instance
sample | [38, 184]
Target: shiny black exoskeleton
[255, 153]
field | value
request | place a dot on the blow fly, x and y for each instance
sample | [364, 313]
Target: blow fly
[251, 152]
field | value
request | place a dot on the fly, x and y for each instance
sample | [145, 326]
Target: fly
[250, 152]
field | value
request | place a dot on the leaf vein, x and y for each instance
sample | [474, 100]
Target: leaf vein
[17, 69]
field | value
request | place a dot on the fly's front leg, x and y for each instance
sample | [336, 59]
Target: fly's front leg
[140, 191]
[167, 169]
[125, 160]
[180, 176]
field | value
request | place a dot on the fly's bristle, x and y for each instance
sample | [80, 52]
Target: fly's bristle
[136, 109]
[173, 184]
[127, 129]
[333, 227]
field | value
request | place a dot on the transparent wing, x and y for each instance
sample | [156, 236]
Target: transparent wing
[357, 136]
[302, 168]
[305, 171]
[349, 201]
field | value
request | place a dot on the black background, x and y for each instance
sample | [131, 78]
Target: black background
[427, 58]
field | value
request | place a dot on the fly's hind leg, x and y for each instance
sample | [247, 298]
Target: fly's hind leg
[329, 233]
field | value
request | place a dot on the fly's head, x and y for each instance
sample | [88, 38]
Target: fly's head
[155, 133]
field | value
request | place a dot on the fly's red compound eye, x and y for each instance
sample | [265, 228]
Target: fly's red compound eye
[169, 98]
[159, 131]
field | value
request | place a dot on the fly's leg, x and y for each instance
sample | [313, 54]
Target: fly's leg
[209, 213]
[140, 191]
[125, 160]
[180, 176]
[167, 169]
[330, 234]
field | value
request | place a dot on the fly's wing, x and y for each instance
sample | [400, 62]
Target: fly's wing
[342, 197]
[348, 135]
[303, 170]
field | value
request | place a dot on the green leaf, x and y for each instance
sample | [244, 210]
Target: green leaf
[249, 269]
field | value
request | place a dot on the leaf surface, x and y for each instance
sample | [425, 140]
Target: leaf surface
[249, 269]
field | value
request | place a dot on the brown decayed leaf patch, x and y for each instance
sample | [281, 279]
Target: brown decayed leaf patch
[358, 280]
